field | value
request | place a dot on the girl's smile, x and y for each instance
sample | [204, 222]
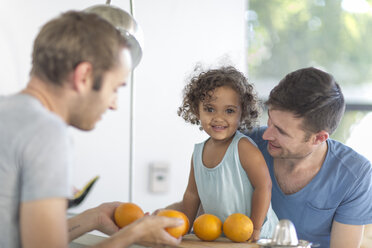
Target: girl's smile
[220, 115]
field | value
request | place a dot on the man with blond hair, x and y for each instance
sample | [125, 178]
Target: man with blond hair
[79, 62]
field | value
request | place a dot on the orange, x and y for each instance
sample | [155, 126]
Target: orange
[207, 227]
[177, 231]
[238, 227]
[127, 213]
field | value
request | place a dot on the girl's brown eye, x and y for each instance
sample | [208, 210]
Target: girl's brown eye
[209, 109]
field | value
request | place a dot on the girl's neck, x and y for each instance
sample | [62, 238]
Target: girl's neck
[220, 143]
[214, 151]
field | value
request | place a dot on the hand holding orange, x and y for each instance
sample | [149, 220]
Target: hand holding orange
[177, 231]
[127, 213]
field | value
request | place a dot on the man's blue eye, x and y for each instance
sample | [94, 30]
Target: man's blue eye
[230, 111]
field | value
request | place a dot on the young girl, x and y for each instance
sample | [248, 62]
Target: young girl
[228, 173]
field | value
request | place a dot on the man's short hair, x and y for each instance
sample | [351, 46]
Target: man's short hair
[72, 38]
[311, 94]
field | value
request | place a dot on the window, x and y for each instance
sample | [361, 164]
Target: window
[332, 35]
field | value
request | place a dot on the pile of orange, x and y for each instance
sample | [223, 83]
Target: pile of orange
[127, 213]
[177, 231]
[237, 227]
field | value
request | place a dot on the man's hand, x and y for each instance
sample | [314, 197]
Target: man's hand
[100, 218]
[150, 230]
[104, 216]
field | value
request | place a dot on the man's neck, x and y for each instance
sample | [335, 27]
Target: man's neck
[293, 175]
[50, 96]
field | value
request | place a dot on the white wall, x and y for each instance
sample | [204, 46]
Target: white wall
[178, 34]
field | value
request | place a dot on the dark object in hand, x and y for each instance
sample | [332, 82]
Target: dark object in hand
[81, 194]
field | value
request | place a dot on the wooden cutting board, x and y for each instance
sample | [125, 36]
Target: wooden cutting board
[190, 240]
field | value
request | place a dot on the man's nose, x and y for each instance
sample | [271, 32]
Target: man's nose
[268, 134]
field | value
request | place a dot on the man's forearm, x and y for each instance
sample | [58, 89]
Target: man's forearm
[79, 225]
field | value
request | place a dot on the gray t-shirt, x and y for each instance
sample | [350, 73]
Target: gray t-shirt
[35, 160]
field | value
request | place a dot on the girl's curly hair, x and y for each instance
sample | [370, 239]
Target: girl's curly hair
[201, 87]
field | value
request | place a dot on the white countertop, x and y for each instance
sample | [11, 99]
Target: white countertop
[90, 239]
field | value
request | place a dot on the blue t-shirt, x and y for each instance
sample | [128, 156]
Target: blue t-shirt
[341, 191]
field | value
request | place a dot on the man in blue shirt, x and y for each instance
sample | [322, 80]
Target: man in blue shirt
[321, 185]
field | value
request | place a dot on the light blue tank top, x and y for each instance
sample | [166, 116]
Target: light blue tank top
[226, 189]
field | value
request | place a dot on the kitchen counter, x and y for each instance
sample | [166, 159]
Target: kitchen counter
[188, 241]
[90, 239]
[192, 241]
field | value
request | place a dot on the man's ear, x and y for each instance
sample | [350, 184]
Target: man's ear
[321, 136]
[82, 77]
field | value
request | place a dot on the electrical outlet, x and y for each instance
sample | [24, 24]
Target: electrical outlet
[159, 177]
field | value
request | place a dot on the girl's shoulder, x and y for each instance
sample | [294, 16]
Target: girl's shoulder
[243, 139]
[247, 148]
